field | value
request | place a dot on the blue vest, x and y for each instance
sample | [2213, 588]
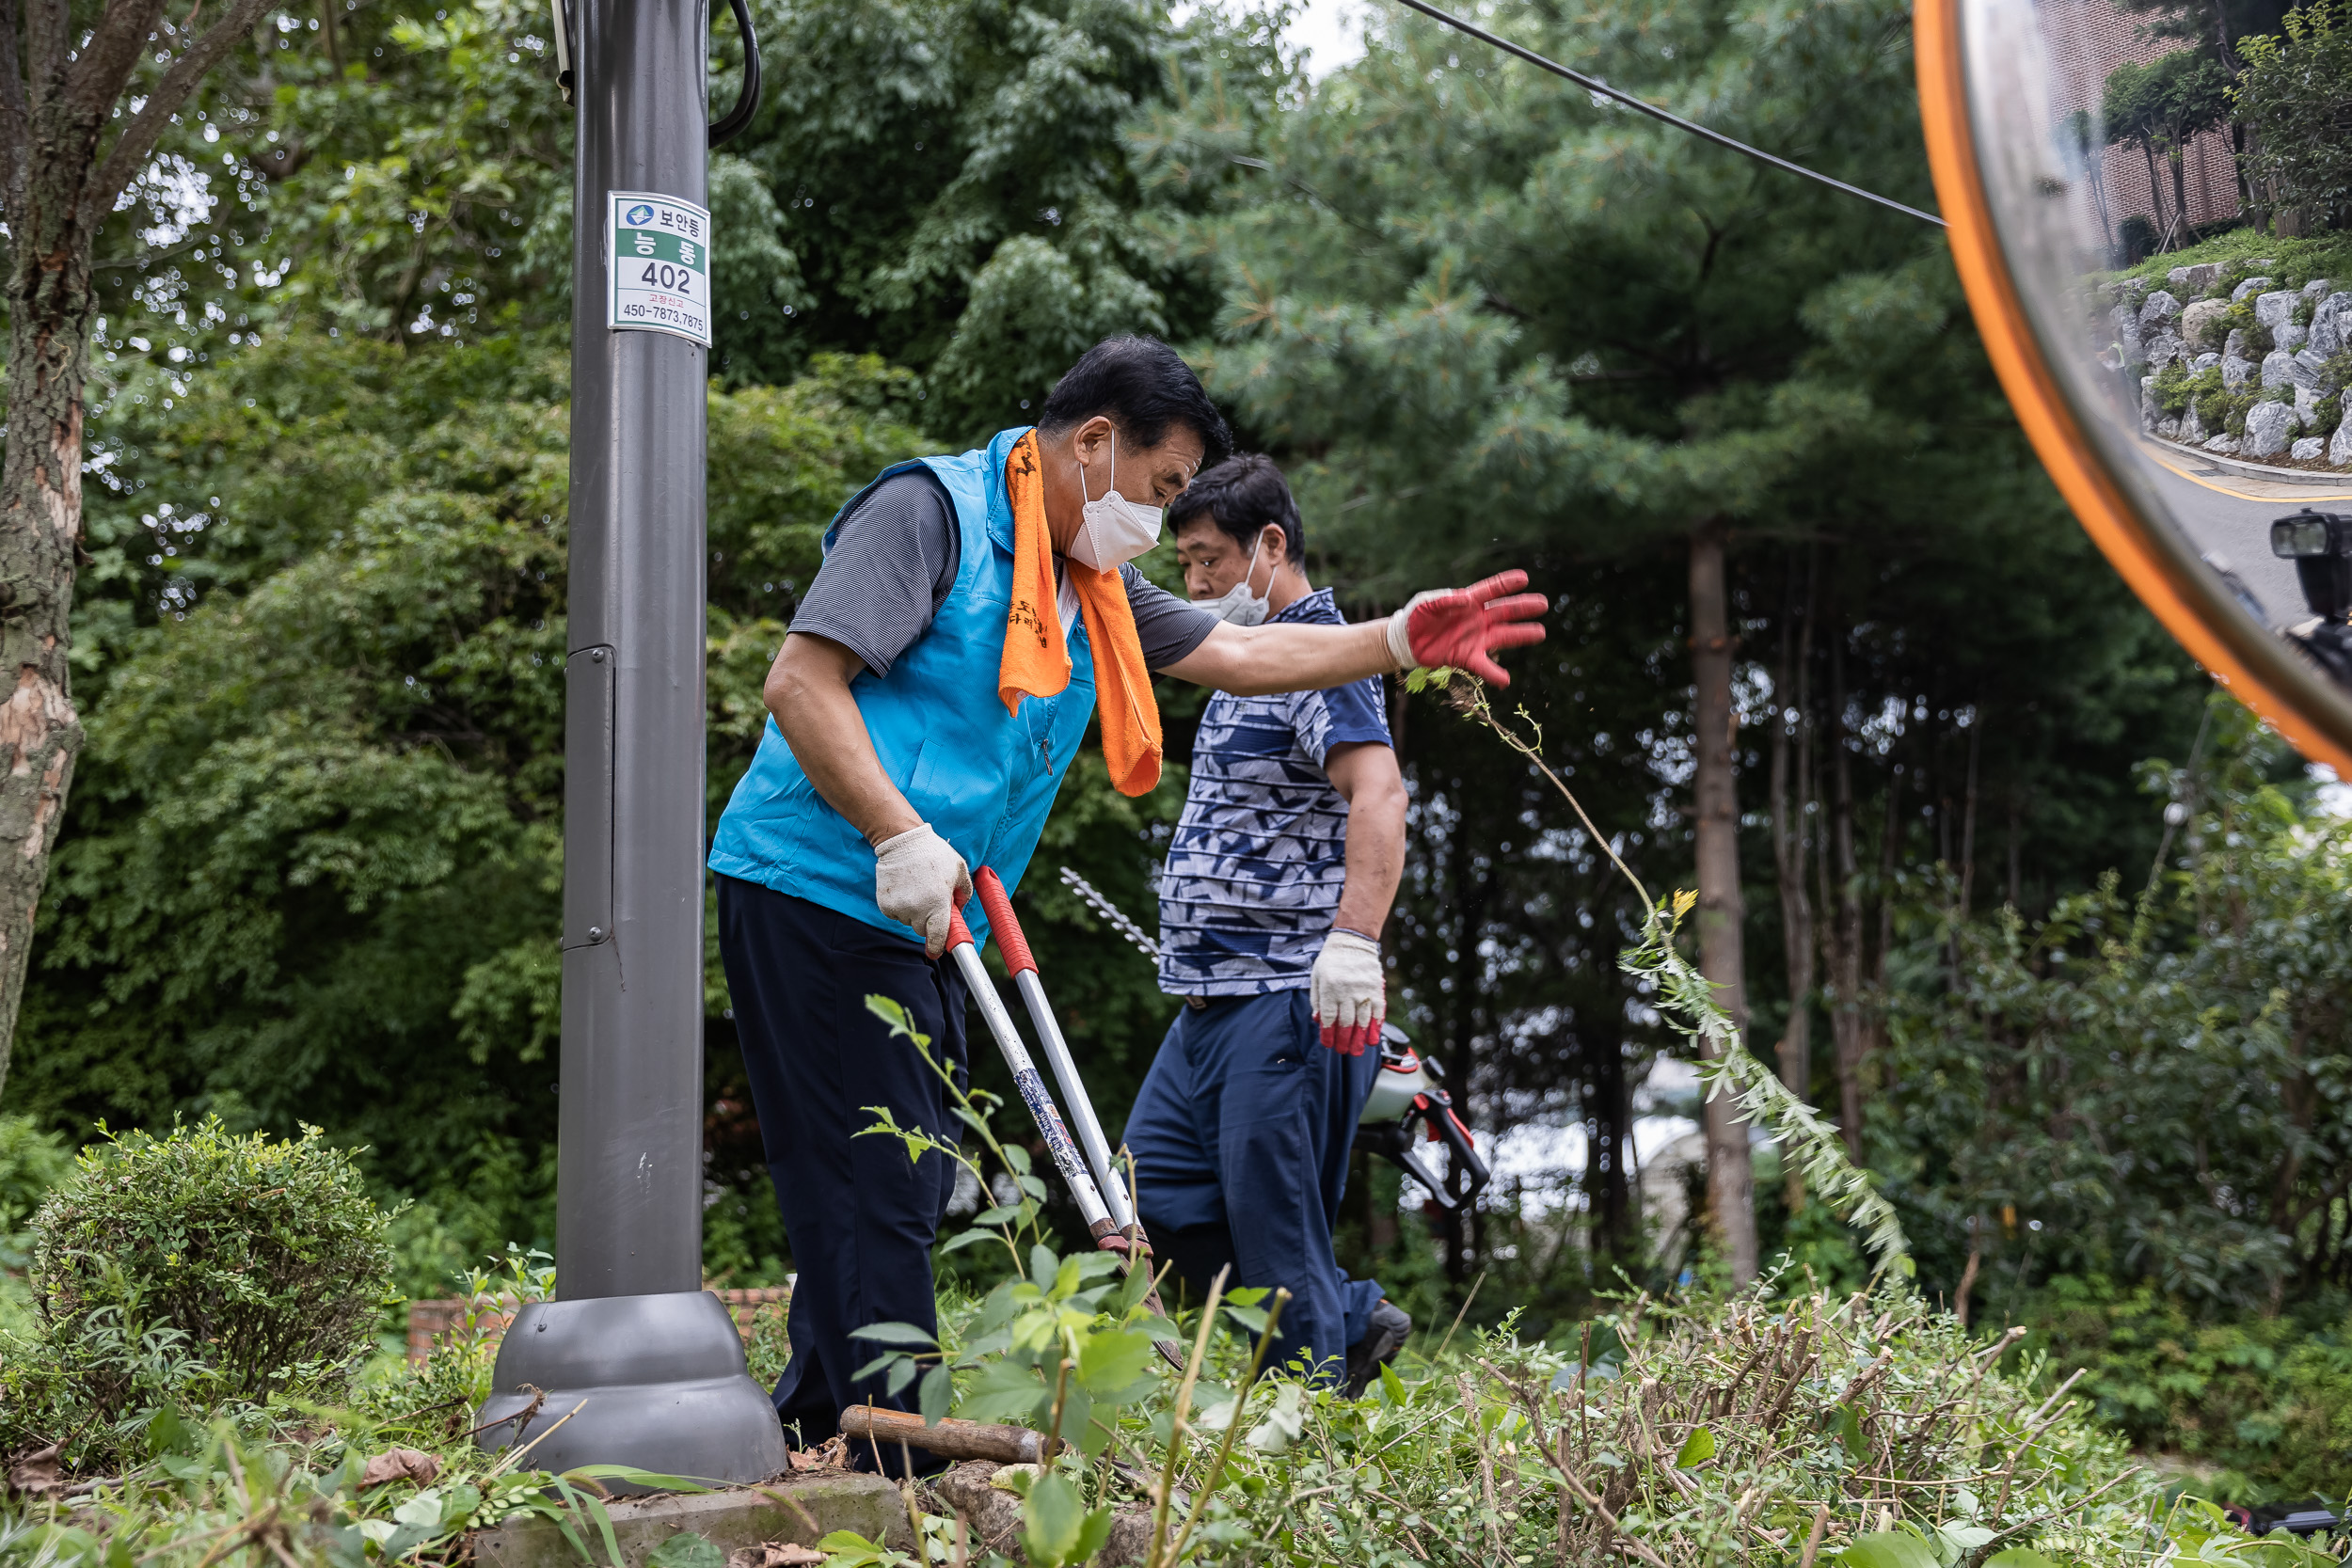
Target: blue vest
[984, 779]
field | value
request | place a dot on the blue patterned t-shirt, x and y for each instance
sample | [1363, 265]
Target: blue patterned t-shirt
[1255, 870]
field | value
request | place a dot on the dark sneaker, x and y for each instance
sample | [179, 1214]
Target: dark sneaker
[1384, 1336]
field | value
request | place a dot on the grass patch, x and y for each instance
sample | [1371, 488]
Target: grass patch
[2298, 261]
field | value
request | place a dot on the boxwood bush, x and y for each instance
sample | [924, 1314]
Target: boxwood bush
[192, 1271]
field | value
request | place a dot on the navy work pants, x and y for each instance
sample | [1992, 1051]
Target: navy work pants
[1240, 1137]
[860, 1216]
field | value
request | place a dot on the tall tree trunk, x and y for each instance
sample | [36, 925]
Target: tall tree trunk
[1792, 692]
[1730, 1173]
[1890, 847]
[1607, 1116]
[1845, 942]
[40, 531]
[61, 83]
[1968, 818]
[2016, 864]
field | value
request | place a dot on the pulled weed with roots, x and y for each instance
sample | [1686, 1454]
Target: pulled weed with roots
[1685, 999]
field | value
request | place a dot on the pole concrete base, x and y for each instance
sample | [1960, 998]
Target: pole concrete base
[659, 1383]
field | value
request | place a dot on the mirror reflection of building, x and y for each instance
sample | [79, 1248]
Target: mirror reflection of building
[2170, 183]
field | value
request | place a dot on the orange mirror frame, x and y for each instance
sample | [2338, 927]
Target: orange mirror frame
[2158, 564]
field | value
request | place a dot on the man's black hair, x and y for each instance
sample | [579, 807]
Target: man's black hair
[1240, 496]
[1143, 386]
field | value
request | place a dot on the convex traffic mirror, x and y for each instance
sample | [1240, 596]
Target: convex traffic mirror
[2150, 215]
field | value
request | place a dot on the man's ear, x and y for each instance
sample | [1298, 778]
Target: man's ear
[1092, 437]
[1276, 544]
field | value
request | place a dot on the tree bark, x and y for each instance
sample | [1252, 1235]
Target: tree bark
[1789, 839]
[58, 95]
[1730, 1173]
[41, 530]
[1845, 943]
[2156, 192]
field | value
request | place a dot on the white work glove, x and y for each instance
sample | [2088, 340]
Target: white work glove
[920, 879]
[1349, 991]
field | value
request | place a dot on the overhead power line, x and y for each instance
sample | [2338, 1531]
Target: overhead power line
[1594, 83]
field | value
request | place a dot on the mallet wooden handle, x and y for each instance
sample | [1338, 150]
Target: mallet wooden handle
[949, 1439]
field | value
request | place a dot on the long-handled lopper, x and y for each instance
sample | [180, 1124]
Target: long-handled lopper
[1104, 1229]
[1018, 958]
[1110, 1235]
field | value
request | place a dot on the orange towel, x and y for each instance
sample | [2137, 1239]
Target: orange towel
[1037, 661]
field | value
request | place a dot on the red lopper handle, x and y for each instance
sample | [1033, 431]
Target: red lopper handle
[959, 934]
[1010, 941]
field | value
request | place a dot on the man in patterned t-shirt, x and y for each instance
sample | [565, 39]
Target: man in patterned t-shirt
[1278, 882]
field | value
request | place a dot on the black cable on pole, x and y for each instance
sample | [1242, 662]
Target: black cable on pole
[747, 97]
[1594, 83]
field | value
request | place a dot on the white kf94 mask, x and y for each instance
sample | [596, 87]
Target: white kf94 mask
[1116, 530]
[1237, 604]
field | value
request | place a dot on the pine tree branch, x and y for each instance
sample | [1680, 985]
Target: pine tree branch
[138, 138]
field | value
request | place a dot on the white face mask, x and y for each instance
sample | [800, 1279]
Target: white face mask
[1237, 604]
[1116, 530]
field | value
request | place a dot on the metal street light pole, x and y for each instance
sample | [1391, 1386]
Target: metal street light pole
[631, 1332]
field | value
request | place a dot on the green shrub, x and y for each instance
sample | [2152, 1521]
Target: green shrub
[2241, 316]
[2290, 95]
[2174, 386]
[31, 1163]
[2224, 410]
[262, 1261]
[2267, 1399]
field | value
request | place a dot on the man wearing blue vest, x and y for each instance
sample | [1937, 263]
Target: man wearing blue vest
[972, 615]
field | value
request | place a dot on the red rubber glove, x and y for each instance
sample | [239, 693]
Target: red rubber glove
[1463, 627]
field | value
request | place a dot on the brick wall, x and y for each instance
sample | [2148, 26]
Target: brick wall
[430, 1322]
[2086, 41]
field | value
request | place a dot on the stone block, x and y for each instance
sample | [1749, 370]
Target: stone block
[2269, 426]
[2331, 326]
[2193, 282]
[796, 1509]
[2306, 450]
[2202, 323]
[2251, 286]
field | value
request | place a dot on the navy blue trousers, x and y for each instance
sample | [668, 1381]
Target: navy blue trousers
[1241, 1136]
[861, 1217]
